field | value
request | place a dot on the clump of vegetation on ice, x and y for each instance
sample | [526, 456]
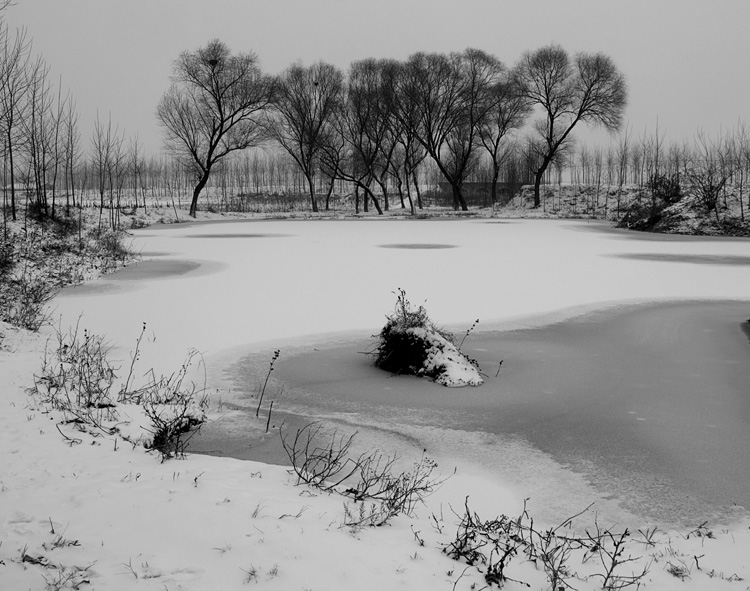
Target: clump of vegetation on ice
[411, 344]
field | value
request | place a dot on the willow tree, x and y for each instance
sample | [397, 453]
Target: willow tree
[589, 89]
[507, 111]
[306, 102]
[214, 107]
[451, 94]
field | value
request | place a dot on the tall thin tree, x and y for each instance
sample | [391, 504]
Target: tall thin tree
[14, 62]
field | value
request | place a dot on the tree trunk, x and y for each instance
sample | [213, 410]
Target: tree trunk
[374, 200]
[197, 191]
[538, 181]
[458, 198]
[493, 186]
[384, 189]
[329, 192]
[400, 189]
[313, 200]
[408, 196]
[416, 188]
[12, 178]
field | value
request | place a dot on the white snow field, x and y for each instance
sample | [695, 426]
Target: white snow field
[275, 281]
[100, 515]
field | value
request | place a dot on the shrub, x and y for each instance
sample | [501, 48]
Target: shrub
[24, 297]
[369, 478]
[641, 216]
[176, 410]
[7, 257]
[645, 215]
[665, 188]
[400, 350]
[42, 257]
[78, 379]
[411, 344]
[110, 246]
[490, 546]
[65, 225]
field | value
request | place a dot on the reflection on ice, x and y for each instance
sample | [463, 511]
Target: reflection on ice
[698, 259]
[417, 246]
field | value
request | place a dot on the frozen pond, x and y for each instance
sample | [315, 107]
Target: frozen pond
[649, 403]
[577, 404]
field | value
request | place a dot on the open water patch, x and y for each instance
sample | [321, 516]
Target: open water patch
[696, 259]
[418, 246]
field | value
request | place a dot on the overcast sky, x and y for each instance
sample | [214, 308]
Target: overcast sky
[685, 60]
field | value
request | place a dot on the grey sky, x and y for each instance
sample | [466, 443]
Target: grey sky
[684, 59]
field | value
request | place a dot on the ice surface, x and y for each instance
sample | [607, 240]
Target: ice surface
[312, 280]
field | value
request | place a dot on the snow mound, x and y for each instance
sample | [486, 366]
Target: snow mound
[444, 361]
[411, 344]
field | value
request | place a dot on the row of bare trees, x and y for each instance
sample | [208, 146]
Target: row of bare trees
[715, 169]
[381, 129]
[374, 126]
[37, 123]
[44, 158]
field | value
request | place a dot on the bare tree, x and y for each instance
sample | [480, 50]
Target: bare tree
[14, 62]
[135, 166]
[711, 170]
[213, 108]
[305, 103]
[37, 133]
[451, 97]
[404, 117]
[507, 110]
[71, 150]
[107, 155]
[370, 126]
[741, 158]
[589, 89]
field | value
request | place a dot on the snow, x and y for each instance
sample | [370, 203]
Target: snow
[102, 514]
[455, 370]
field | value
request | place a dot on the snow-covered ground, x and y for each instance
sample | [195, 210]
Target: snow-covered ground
[216, 286]
[127, 521]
